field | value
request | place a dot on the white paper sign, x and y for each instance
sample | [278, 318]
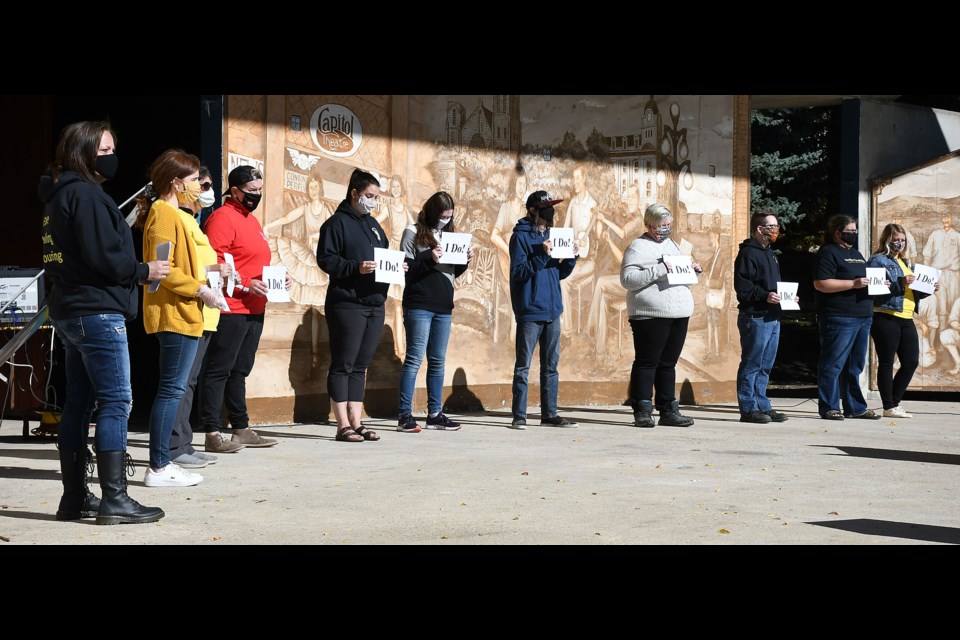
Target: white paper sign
[275, 278]
[232, 280]
[926, 278]
[389, 266]
[680, 270]
[788, 295]
[562, 238]
[455, 247]
[163, 253]
[878, 281]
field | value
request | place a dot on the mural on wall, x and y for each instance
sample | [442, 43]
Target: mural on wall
[609, 157]
[926, 202]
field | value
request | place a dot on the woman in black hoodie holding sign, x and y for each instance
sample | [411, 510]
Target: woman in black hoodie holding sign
[354, 303]
[89, 257]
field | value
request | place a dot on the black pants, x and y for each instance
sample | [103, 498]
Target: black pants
[354, 334]
[894, 336]
[230, 357]
[657, 343]
[182, 436]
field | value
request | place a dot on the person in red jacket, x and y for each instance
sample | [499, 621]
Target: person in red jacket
[233, 348]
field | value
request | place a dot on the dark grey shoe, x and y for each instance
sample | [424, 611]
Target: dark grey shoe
[643, 414]
[519, 423]
[756, 417]
[557, 421]
[776, 416]
[670, 416]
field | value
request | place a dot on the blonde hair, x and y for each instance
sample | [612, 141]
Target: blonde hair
[887, 235]
[655, 213]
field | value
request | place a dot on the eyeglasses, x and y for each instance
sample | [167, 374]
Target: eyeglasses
[206, 186]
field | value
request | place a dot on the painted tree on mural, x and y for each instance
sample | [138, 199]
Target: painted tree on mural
[795, 167]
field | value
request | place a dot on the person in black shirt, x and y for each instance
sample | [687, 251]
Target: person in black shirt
[354, 302]
[844, 315]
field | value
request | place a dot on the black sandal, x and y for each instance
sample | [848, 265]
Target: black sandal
[348, 435]
[366, 434]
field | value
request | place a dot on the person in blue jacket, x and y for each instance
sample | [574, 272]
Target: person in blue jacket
[535, 294]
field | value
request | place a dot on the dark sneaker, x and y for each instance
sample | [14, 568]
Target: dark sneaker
[407, 424]
[557, 421]
[832, 415]
[519, 423]
[441, 422]
[776, 416]
[756, 417]
[866, 415]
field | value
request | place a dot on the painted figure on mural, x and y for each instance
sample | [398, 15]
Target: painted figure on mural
[950, 336]
[395, 216]
[296, 249]
[582, 218]
[928, 324]
[510, 212]
[716, 301]
[942, 251]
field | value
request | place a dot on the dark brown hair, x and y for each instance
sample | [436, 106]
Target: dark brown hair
[77, 149]
[834, 224]
[427, 218]
[170, 165]
[360, 180]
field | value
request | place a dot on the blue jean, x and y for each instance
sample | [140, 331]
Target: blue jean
[759, 339]
[427, 332]
[98, 370]
[547, 334]
[177, 353]
[843, 354]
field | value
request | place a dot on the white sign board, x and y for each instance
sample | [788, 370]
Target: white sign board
[455, 247]
[389, 266]
[562, 239]
[232, 280]
[680, 270]
[215, 280]
[878, 281]
[788, 295]
[163, 253]
[926, 278]
[275, 279]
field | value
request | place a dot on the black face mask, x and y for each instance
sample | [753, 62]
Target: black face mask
[251, 200]
[107, 165]
[850, 237]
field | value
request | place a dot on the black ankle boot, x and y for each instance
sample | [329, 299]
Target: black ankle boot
[116, 507]
[642, 414]
[77, 501]
[670, 416]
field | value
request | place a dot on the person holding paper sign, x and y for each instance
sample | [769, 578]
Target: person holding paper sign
[232, 352]
[173, 312]
[755, 276]
[354, 303]
[537, 304]
[89, 256]
[844, 313]
[659, 313]
[894, 331]
[427, 309]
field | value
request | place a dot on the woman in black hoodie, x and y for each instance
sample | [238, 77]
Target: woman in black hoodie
[89, 257]
[354, 303]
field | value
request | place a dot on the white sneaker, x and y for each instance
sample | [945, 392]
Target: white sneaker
[172, 475]
[896, 412]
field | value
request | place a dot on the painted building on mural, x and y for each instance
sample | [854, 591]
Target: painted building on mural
[607, 156]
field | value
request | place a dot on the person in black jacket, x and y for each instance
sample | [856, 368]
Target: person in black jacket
[427, 308]
[755, 276]
[89, 257]
[354, 302]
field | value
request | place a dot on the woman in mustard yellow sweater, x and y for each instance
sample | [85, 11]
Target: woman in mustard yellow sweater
[174, 311]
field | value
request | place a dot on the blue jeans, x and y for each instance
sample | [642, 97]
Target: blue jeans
[759, 339]
[426, 332]
[547, 333]
[98, 370]
[177, 353]
[843, 354]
